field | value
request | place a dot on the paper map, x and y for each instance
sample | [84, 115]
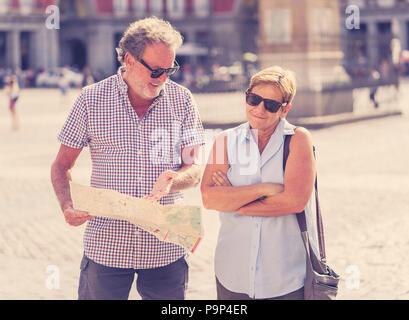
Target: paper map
[178, 224]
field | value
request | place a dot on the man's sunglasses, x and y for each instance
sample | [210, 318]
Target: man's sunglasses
[270, 105]
[156, 73]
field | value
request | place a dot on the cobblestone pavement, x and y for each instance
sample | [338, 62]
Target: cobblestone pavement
[363, 181]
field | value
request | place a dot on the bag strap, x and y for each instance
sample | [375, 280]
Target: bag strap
[301, 216]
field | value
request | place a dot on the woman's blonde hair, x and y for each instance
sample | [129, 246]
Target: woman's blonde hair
[279, 77]
[146, 32]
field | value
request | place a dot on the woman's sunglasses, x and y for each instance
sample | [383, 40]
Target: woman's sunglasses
[270, 105]
[156, 73]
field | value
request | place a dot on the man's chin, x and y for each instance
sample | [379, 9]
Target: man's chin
[153, 91]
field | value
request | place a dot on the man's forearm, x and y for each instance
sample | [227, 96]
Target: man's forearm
[60, 180]
[188, 177]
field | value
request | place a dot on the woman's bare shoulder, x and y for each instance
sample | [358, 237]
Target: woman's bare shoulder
[302, 138]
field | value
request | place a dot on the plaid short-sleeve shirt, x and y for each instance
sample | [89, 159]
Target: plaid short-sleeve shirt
[128, 154]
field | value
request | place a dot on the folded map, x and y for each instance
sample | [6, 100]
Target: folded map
[178, 224]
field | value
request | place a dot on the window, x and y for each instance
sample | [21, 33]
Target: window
[26, 6]
[359, 3]
[117, 38]
[156, 6]
[201, 8]
[356, 45]
[3, 39]
[4, 6]
[384, 27]
[322, 25]
[120, 7]
[202, 38]
[175, 8]
[68, 8]
[407, 37]
[139, 6]
[384, 38]
[25, 46]
[386, 3]
[278, 26]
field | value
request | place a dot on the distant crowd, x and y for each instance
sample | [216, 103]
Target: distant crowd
[47, 78]
[359, 69]
[197, 78]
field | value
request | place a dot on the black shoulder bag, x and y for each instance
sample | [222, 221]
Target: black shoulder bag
[321, 282]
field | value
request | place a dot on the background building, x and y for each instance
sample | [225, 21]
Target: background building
[25, 42]
[215, 31]
[304, 36]
[383, 33]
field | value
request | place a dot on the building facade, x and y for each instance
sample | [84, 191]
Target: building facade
[383, 30]
[215, 31]
[25, 42]
[304, 37]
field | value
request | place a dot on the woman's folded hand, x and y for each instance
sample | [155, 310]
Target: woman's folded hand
[220, 179]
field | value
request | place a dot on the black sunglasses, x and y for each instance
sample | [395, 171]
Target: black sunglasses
[156, 73]
[270, 105]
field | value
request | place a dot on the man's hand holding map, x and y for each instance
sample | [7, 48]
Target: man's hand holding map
[178, 224]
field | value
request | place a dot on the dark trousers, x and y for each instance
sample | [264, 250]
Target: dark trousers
[98, 282]
[225, 294]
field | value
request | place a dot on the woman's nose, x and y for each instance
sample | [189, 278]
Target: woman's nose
[260, 107]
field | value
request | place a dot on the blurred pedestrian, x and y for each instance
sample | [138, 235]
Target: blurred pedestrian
[374, 78]
[88, 79]
[385, 69]
[13, 91]
[201, 78]
[63, 85]
[187, 75]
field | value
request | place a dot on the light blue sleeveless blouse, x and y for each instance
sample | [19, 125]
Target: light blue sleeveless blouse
[263, 257]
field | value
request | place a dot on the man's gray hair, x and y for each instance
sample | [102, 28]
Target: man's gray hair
[146, 32]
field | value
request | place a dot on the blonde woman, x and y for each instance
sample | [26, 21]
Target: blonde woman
[260, 252]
